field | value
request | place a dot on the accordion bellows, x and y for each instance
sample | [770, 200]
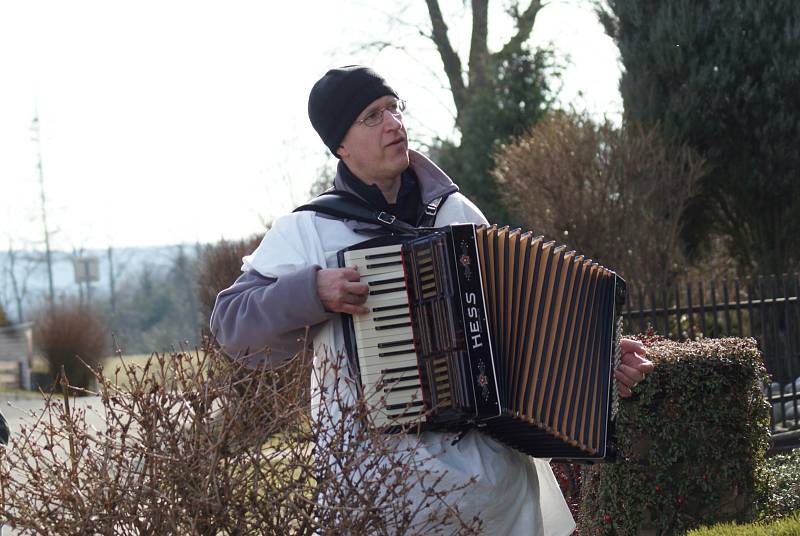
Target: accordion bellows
[488, 327]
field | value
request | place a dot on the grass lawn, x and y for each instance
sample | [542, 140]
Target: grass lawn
[112, 366]
[114, 370]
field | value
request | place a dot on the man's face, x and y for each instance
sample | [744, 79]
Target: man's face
[377, 153]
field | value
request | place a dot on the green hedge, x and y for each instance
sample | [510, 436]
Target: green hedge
[783, 472]
[691, 443]
[789, 526]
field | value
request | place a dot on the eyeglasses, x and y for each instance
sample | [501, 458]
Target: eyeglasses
[375, 117]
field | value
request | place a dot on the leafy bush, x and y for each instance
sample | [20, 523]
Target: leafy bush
[789, 526]
[569, 477]
[184, 450]
[783, 471]
[691, 443]
[68, 336]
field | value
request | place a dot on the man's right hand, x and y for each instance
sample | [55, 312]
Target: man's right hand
[340, 290]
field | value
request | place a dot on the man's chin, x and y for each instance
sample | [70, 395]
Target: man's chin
[402, 161]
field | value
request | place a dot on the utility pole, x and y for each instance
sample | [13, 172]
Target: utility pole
[111, 282]
[48, 253]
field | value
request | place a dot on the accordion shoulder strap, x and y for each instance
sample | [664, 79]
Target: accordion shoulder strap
[428, 218]
[348, 206]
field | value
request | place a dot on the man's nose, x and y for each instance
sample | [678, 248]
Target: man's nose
[392, 121]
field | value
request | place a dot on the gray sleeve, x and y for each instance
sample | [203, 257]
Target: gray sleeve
[260, 319]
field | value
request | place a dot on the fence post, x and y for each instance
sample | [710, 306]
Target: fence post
[714, 308]
[678, 312]
[702, 310]
[689, 313]
[726, 301]
[738, 306]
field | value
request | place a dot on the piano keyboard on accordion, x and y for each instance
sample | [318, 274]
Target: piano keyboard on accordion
[492, 327]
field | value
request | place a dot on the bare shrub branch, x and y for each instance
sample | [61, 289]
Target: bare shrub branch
[616, 195]
[196, 445]
[68, 335]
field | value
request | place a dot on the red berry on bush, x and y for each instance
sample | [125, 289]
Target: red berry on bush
[679, 499]
[607, 518]
[658, 487]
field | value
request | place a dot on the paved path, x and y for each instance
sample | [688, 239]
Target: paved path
[21, 409]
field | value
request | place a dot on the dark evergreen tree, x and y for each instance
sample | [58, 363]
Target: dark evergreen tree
[724, 77]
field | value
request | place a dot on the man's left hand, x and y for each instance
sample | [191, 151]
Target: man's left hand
[634, 366]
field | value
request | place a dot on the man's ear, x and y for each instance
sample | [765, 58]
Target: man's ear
[342, 151]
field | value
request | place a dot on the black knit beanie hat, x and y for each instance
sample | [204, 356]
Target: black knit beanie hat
[338, 97]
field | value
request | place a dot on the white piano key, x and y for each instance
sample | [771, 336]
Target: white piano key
[382, 303]
[392, 368]
[388, 333]
[388, 373]
[399, 365]
[384, 318]
[403, 397]
[393, 398]
[399, 385]
[373, 358]
[373, 337]
[376, 300]
[373, 348]
[373, 374]
[370, 378]
[380, 419]
[389, 362]
[371, 276]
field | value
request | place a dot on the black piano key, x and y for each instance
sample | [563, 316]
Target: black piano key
[393, 326]
[372, 266]
[390, 317]
[396, 352]
[409, 405]
[386, 291]
[389, 307]
[399, 370]
[386, 281]
[382, 255]
[388, 387]
[395, 343]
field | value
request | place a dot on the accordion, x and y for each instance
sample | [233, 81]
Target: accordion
[487, 327]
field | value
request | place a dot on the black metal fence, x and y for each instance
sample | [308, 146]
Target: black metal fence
[765, 308]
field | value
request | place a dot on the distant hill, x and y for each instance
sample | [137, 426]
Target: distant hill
[127, 263]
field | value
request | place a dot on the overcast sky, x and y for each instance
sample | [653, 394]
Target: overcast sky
[184, 121]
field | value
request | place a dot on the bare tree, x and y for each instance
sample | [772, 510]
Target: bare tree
[21, 265]
[467, 84]
[497, 91]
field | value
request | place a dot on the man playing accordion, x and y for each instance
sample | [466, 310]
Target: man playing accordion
[292, 280]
